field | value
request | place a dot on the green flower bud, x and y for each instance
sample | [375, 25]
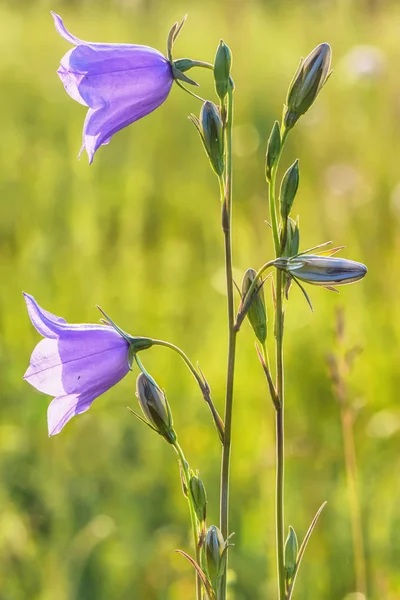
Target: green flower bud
[310, 77]
[273, 150]
[290, 183]
[291, 551]
[325, 271]
[215, 554]
[222, 69]
[199, 497]
[292, 238]
[155, 408]
[210, 130]
[257, 313]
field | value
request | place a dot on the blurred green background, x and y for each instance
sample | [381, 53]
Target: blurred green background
[97, 511]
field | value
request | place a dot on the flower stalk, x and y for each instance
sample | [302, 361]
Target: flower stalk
[193, 519]
[226, 226]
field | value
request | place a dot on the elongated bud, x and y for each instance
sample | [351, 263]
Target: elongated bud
[210, 130]
[199, 497]
[310, 77]
[325, 271]
[215, 554]
[292, 238]
[222, 69]
[155, 408]
[291, 551]
[289, 186]
[273, 150]
[257, 313]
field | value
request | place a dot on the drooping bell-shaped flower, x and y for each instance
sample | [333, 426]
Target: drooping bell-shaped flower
[75, 363]
[120, 83]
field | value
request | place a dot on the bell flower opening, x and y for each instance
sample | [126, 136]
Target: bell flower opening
[75, 363]
[119, 83]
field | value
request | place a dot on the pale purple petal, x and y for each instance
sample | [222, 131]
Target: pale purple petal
[61, 29]
[75, 363]
[50, 326]
[62, 409]
[78, 361]
[120, 83]
[101, 124]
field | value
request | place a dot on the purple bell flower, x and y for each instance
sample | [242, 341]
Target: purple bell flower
[120, 83]
[74, 363]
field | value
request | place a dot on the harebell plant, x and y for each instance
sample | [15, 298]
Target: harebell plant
[119, 84]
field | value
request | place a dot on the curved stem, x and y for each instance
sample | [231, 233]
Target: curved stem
[201, 382]
[186, 475]
[226, 226]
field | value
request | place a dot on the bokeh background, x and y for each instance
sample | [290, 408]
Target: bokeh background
[97, 511]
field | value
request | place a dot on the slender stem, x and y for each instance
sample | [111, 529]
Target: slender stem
[202, 383]
[186, 475]
[279, 417]
[356, 519]
[226, 225]
[280, 434]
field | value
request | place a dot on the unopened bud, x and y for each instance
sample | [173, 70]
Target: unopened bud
[257, 313]
[292, 238]
[199, 497]
[215, 553]
[289, 186]
[210, 130]
[222, 69]
[325, 271]
[155, 408]
[273, 150]
[307, 83]
[291, 551]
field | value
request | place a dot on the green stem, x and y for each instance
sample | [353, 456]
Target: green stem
[280, 436]
[186, 475]
[202, 383]
[226, 225]
[279, 418]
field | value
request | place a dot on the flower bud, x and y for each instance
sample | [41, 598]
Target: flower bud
[257, 313]
[307, 83]
[199, 497]
[222, 69]
[273, 150]
[322, 270]
[291, 551]
[292, 238]
[215, 553]
[155, 408]
[290, 183]
[210, 130]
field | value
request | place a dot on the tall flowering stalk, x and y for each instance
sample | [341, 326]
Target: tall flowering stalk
[121, 83]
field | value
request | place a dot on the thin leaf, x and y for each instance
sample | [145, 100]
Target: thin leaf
[332, 289]
[272, 390]
[330, 252]
[314, 248]
[179, 28]
[203, 578]
[141, 419]
[302, 549]
[305, 293]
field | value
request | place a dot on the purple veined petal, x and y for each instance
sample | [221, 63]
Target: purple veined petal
[72, 39]
[62, 409]
[78, 362]
[51, 326]
[43, 321]
[102, 123]
[61, 29]
[70, 79]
